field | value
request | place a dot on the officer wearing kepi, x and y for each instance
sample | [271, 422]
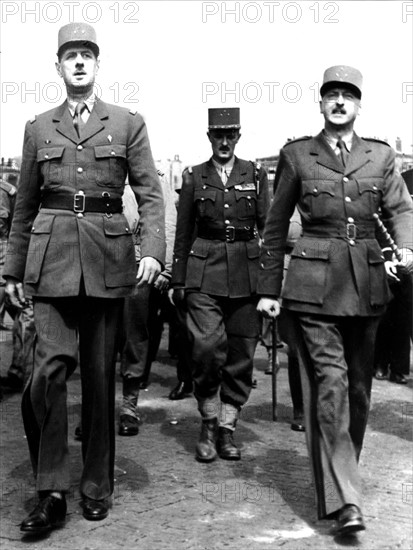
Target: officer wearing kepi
[72, 246]
[336, 287]
[224, 203]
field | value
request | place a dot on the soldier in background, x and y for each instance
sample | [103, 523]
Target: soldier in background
[222, 208]
[336, 287]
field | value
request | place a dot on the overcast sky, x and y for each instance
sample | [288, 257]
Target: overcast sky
[171, 60]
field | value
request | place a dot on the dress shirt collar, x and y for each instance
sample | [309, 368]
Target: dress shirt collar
[332, 141]
[90, 102]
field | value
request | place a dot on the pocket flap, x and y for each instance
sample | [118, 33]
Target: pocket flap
[205, 194]
[43, 224]
[50, 153]
[375, 256]
[200, 248]
[253, 249]
[312, 249]
[315, 187]
[114, 150]
[116, 228]
[249, 194]
[370, 184]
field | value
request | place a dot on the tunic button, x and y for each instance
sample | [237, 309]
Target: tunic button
[80, 169]
[347, 199]
[315, 190]
[113, 153]
[79, 147]
[248, 197]
[226, 205]
[32, 229]
[204, 187]
[352, 242]
[202, 199]
[226, 190]
[303, 253]
[345, 179]
[46, 156]
[227, 222]
[350, 220]
[375, 187]
[126, 229]
[80, 215]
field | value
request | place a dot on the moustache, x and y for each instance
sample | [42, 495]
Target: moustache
[339, 112]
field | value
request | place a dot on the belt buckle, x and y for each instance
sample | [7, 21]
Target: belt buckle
[79, 198]
[351, 230]
[230, 233]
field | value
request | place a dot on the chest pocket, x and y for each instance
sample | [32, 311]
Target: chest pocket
[371, 190]
[318, 197]
[110, 167]
[205, 200]
[246, 203]
[53, 171]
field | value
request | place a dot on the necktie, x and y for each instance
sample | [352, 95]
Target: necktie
[77, 118]
[344, 153]
[224, 175]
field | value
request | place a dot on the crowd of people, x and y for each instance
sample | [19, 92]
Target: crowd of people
[98, 250]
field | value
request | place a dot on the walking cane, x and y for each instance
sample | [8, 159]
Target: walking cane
[274, 368]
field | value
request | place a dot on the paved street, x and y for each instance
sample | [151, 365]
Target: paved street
[164, 499]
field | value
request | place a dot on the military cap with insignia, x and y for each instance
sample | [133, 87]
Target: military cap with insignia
[342, 75]
[221, 119]
[77, 33]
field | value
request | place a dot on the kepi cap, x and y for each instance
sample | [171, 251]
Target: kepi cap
[77, 32]
[224, 118]
[342, 74]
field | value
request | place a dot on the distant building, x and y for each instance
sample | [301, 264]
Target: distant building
[173, 171]
[9, 171]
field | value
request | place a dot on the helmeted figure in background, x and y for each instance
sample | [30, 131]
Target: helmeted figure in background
[336, 287]
[71, 245]
[222, 209]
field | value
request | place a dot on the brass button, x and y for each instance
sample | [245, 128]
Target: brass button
[375, 187]
[80, 169]
[345, 179]
[113, 153]
[350, 220]
[226, 191]
[347, 199]
[204, 187]
[227, 222]
[351, 242]
[226, 205]
[79, 147]
[79, 215]
[126, 229]
[46, 156]
[303, 253]
[315, 190]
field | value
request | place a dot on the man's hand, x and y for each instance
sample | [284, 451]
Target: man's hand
[149, 269]
[161, 283]
[15, 293]
[269, 307]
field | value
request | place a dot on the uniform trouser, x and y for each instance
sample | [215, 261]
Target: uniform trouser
[67, 328]
[336, 363]
[24, 334]
[183, 348]
[223, 335]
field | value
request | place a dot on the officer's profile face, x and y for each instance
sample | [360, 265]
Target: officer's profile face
[339, 106]
[78, 66]
[223, 144]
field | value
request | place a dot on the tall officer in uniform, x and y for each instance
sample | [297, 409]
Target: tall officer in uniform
[336, 286]
[223, 202]
[71, 245]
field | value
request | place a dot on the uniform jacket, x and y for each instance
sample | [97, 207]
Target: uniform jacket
[53, 249]
[7, 199]
[214, 266]
[336, 267]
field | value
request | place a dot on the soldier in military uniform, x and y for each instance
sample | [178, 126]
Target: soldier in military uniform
[7, 199]
[72, 246]
[222, 208]
[336, 287]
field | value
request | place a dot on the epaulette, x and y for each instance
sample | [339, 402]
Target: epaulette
[302, 138]
[160, 174]
[189, 168]
[376, 140]
[8, 187]
[133, 112]
[33, 119]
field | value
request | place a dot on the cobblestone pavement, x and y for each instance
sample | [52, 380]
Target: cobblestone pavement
[164, 499]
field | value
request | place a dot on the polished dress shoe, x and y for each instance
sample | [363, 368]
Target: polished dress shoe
[381, 374]
[94, 510]
[182, 390]
[225, 446]
[206, 450]
[12, 382]
[397, 378]
[128, 425]
[49, 513]
[350, 520]
[78, 433]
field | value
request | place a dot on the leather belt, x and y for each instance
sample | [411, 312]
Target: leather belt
[79, 202]
[351, 231]
[228, 233]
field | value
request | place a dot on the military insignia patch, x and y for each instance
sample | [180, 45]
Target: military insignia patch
[245, 187]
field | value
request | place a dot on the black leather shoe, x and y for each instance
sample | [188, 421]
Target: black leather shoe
[296, 426]
[381, 374]
[350, 520]
[128, 425]
[226, 447]
[397, 378]
[206, 450]
[94, 510]
[12, 382]
[78, 433]
[182, 390]
[49, 513]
